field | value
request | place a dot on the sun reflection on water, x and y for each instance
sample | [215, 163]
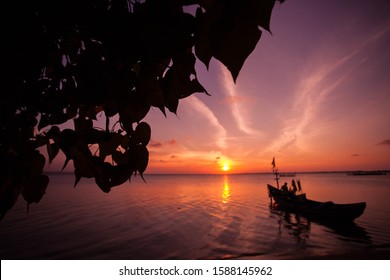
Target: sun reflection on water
[226, 191]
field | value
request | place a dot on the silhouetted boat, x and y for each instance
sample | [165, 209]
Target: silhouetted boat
[287, 174]
[322, 211]
[361, 173]
[316, 210]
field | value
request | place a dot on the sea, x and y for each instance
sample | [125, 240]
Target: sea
[192, 217]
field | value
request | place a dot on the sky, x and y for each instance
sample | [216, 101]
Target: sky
[314, 94]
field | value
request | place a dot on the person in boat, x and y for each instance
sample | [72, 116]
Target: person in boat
[284, 188]
[294, 187]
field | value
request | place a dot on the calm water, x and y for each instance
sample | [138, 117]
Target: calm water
[193, 217]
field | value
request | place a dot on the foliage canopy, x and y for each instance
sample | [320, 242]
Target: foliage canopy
[70, 60]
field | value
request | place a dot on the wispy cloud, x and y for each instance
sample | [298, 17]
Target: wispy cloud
[385, 142]
[234, 102]
[157, 144]
[220, 133]
[316, 84]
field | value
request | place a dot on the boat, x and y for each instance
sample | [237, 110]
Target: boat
[362, 173]
[287, 174]
[294, 200]
[316, 210]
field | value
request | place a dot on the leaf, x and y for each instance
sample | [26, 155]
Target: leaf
[82, 124]
[261, 11]
[65, 164]
[125, 141]
[202, 45]
[172, 104]
[105, 149]
[228, 31]
[84, 164]
[53, 132]
[77, 179]
[34, 190]
[68, 139]
[120, 158]
[142, 159]
[132, 110]
[43, 122]
[52, 150]
[36, 163]
[148, 82]
[180, 81]
[142, 133]
[103, 184]
[39, 141]
[119, 175]
[58, 118]
[232, 41]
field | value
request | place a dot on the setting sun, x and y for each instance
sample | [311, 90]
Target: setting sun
[226, 167]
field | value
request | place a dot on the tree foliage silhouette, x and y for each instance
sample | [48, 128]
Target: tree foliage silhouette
[70, 60]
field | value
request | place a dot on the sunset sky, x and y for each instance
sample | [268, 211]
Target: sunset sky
[314, 94]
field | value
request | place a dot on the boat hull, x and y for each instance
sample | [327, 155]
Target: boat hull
[324, 211]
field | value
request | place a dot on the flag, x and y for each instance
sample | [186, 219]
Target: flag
[273, 162]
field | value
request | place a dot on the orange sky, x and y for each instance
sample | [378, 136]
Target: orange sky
[315, 94]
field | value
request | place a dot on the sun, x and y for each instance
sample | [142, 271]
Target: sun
[226, 167]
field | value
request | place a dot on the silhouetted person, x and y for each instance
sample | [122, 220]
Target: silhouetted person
[299, 186]
[294, 187]
[284, 188]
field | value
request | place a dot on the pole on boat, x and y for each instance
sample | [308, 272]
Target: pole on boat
[275, 171]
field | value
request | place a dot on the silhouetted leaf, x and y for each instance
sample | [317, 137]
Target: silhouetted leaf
[151, 88]
[77, 177]
[103, 184]
[84, 164]
[68, 139]
[36, 163]
[53, 132]
[234, 36]
[39, 141]
[259, 10]
[35, 188]
[142, 158]
[132, 110]
[52, 150]
[43, 122]
[119, 175]
[65, 164]
[265, 10]
[109, 144]
[142, 133]
[120, 158]
[180, 81]
[202, 43]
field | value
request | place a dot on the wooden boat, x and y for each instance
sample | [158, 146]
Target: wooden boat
[322, 211]
[315, 210]
[363, 173]
[287, 174]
